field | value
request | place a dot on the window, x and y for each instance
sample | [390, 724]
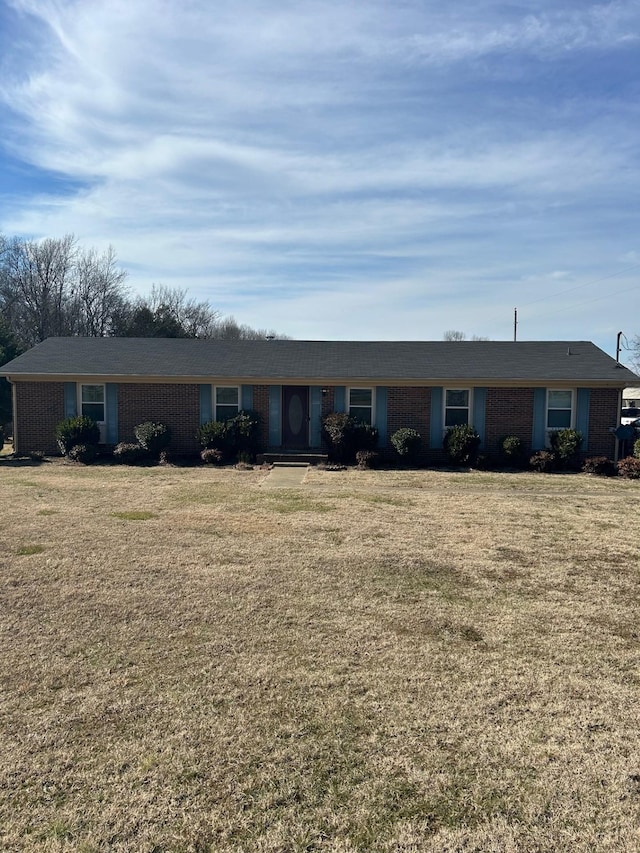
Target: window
[559, 409]
[92, 402]
[361, 404]
[456, 407]
[227, 402]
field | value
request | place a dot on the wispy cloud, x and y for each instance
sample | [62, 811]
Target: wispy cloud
[333, 169]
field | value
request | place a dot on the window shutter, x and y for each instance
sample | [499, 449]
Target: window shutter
[435, 437]
[478, 415]
[275, 429]
[111, 393]
[539, 427]
[206, 413]
[70, 400]
[340, 398]
[380, 419]
[246, 397]
[582, 414]
[315, 415]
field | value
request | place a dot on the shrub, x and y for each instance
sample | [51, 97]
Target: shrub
[636, 447]
[76, 430]
[629, 468]
[599, 465]
[84, 453]
[129, 453]
[367, 458]
[566, 443]
[345, 436]
[246, 432]
[239, 434]
[212, 456]
[215, 435]
[1, 436]
[153, 437]
[483, 462]
[513, 451]
[407, 443]
[461, 444]
[543, 461]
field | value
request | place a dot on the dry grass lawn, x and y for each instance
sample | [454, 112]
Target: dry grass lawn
[418, 661]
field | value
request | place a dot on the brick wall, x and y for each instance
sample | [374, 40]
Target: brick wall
[603, 414]
[40, 409]
[408, 407]
[509, 411]
[261, 406]
[177, 406]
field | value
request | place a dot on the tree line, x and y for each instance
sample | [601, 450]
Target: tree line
[55, 287]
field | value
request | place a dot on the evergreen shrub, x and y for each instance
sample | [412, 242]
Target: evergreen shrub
[565, 444]
[153, 437]
[84, 453]
[129, 453]
[345, 436]
[407, 443]
[513, 451]
[461, 444]
[76, 430]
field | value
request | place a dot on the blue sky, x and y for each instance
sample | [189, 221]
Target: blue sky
[339, 170]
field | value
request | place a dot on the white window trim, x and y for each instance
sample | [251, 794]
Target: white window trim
[215, 399]
[102, 425]
[373, 400]
[572, 423]
[445, 407]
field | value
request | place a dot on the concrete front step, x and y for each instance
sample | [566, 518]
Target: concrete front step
[291, 458]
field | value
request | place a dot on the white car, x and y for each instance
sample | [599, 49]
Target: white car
[629, 414]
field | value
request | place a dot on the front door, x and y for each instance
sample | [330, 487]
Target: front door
[295, 416]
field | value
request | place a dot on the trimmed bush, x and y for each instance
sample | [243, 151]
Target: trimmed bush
[513, 451]
[461, 444]
[367, 458]
[130, 454]
[246, 433]
[212, 456]
[84, 453]
[636, 448]
[232, 437]
[345, 436]
[76, 430]
[566, 443]
[407, 443]
[600, 466]
[629, 468]
[153, 437]
[543, 461]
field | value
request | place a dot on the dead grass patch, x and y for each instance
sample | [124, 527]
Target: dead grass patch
[418, 661]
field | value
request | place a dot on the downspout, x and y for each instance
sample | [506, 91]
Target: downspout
[616, 452]
[14, 411]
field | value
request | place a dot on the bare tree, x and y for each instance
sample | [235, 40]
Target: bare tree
[37, 280]
[453, 335]
[98, 293]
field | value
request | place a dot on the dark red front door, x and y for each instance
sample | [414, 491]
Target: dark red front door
[295, 416]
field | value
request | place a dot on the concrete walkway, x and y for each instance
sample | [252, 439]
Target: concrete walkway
[285, 476]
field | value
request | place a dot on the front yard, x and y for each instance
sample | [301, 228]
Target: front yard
[385, 661]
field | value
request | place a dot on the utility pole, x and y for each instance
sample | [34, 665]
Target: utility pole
[618, 347]
[515, 324]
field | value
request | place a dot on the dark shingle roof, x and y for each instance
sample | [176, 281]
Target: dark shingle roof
[321, 361]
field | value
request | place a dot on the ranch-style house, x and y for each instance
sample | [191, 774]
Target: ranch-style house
[501, 388]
